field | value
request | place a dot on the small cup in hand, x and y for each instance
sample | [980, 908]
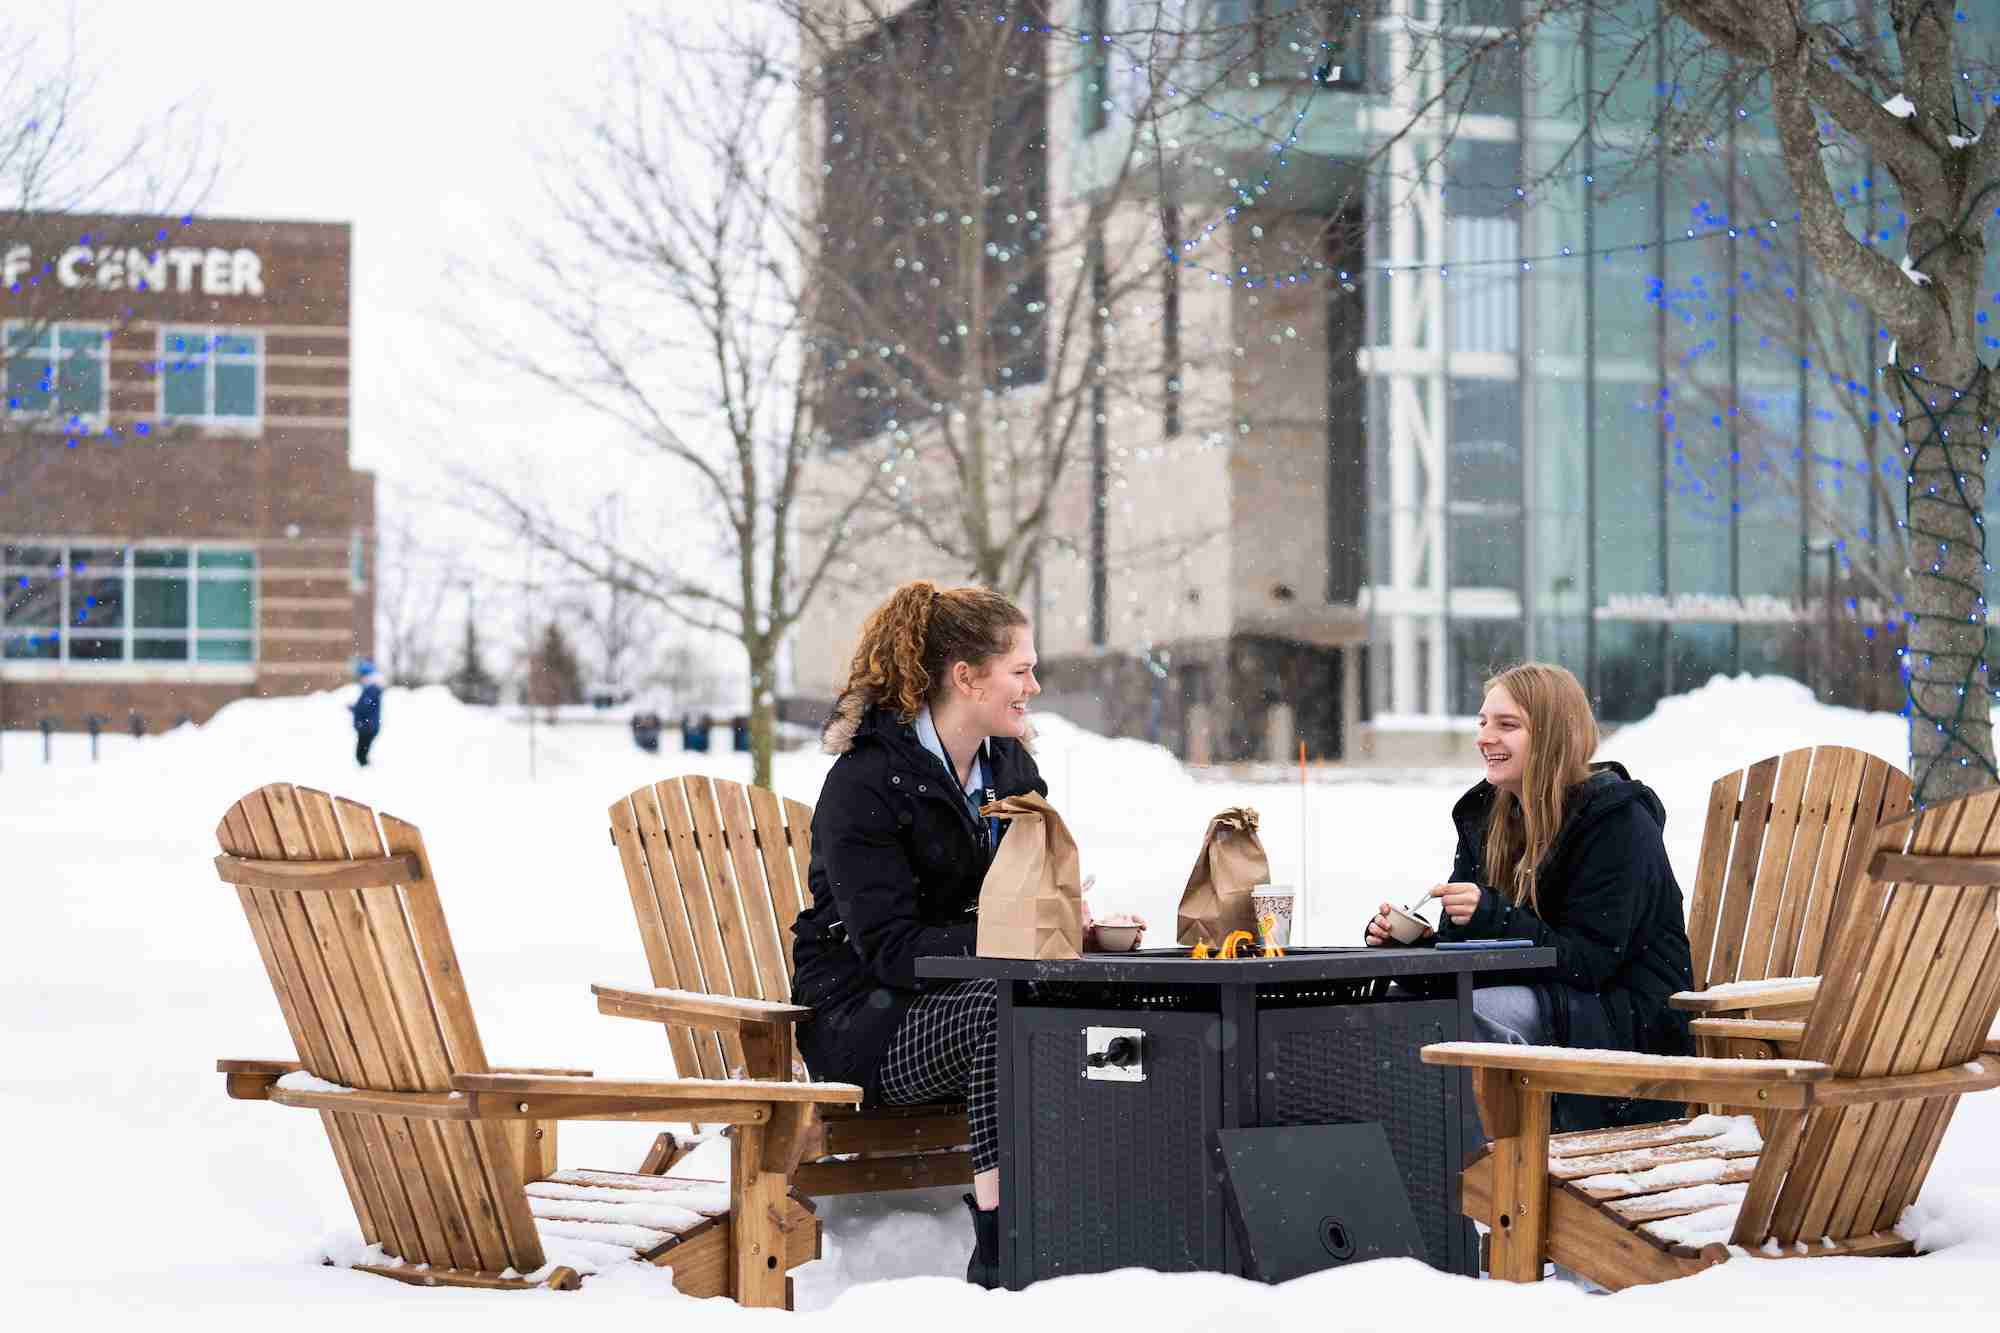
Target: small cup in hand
[1116, 934]
[1405, 928]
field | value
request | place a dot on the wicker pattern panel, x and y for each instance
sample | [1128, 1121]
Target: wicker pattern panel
[1333, 1065]
[1091, 1144]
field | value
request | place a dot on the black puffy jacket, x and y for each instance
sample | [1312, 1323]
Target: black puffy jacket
[1608, 904]
[897, 862]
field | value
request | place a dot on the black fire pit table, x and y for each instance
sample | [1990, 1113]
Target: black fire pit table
[1117, 1071]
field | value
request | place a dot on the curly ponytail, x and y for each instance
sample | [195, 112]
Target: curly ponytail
[908, 643]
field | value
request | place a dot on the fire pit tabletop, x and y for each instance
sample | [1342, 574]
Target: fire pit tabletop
[1304, 963]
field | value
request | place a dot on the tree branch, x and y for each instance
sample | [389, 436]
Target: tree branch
[1864, 272]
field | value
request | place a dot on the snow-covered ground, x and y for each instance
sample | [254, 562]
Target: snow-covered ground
[137, 1187]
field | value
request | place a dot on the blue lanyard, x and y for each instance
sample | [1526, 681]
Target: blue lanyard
[982, 775]
[979, 780]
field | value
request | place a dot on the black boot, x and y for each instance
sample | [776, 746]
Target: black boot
[983, 1269]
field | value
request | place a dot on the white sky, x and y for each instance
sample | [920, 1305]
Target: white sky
[413, 121]
[416, 121]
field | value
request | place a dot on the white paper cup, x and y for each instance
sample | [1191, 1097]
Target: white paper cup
[1271, 905]
[1405, 928]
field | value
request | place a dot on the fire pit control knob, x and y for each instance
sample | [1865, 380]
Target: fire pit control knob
[1114, 1055]
[1123, 1052]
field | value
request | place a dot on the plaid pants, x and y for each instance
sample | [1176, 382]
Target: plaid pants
[944, 1051]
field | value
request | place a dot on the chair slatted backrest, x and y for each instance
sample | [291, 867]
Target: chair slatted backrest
[1911, 985]
[717, 872]
[1779, 842]
[371, 990]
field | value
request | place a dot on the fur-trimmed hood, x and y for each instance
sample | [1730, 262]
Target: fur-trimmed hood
[852, 709]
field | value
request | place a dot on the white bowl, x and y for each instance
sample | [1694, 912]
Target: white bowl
[1116, 939]
[1406, 929]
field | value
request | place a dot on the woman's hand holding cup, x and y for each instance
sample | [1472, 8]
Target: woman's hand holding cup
[1397, 926]
[1460, 900]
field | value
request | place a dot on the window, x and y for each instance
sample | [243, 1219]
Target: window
[115, 604]
[884, 90]
[1097, 67]
[1325, 40]
[56, 371]
[214, 376]
[1484, 489]
[1478, 649]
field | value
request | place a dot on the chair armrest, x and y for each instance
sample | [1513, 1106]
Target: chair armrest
[1975, 1075]
[251, 1080]
[1781, 993]
[1686, 1078]
[722, 1013]
[538, 1069]
[1784, 1031]
[664, 1091]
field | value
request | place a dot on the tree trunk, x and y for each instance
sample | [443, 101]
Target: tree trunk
[1943, 392]
[763, 714]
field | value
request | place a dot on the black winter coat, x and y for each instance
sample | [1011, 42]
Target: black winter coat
[897, 863]
[1609, 905]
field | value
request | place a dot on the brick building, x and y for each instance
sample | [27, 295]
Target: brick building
[179, 522]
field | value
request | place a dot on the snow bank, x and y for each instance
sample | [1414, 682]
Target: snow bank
[1735, 720]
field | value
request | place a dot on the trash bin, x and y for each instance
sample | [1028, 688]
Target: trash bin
[739, 734]
[694, 735]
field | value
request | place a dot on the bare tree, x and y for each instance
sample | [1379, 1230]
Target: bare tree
[413, 579]
[551, 676]
[617, 623]
[672, 302]
[66, 182]
[684, 674]
[968, 315]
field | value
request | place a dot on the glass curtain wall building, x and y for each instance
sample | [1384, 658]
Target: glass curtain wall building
[1616, 420]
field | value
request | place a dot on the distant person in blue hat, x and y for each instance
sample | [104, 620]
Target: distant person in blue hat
[367, 710]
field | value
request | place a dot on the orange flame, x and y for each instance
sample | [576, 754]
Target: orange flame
[1234, 942]
[1237, 944]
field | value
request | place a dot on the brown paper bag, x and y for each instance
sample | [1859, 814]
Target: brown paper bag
[1031, 902]
[1216, 900]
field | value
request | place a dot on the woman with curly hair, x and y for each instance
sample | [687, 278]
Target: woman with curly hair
[928, 728]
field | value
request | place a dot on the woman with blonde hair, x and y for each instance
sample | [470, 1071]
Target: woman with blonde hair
[930, 726]
[1564, 853]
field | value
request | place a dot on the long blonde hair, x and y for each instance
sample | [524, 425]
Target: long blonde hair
[1562, 736]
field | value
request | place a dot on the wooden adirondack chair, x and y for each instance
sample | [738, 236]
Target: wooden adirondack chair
[1782, 839]
[450, 1162]
[1894, 1037]
[717, 873]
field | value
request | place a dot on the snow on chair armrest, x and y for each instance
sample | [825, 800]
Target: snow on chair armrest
[1770, 993]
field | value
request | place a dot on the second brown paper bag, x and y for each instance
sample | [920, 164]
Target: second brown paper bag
[1216, 901]
[1031, 902]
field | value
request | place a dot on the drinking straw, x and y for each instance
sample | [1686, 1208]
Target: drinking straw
[1299, 894]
